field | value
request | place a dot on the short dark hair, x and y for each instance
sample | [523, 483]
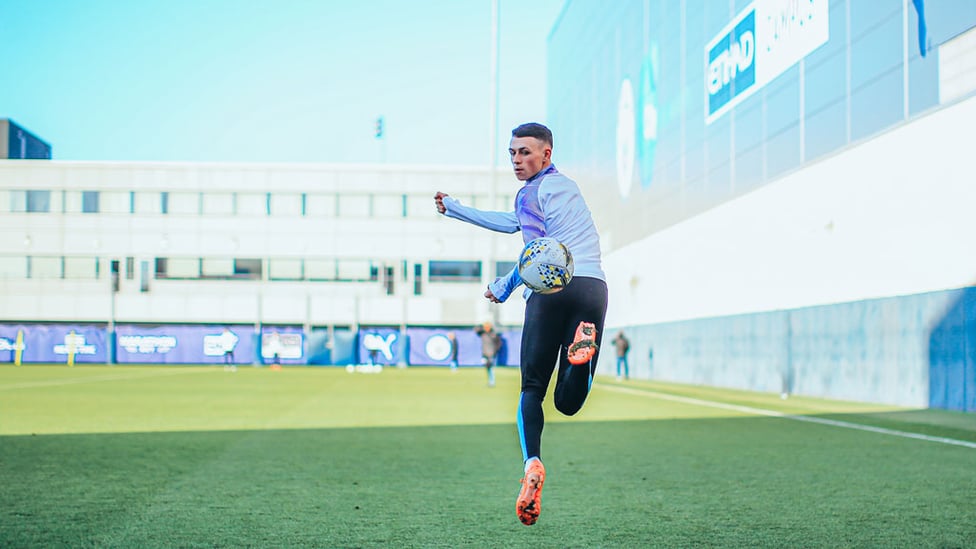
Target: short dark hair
[536, 130]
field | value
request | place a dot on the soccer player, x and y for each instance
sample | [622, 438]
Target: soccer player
[565, 327]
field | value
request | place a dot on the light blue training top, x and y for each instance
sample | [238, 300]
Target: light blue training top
[549, 204]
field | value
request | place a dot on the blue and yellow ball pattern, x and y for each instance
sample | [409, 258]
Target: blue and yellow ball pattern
[545, 265]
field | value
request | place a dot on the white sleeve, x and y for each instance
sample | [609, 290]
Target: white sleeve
[503, 222]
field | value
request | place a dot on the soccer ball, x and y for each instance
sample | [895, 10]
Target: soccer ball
[545, 265]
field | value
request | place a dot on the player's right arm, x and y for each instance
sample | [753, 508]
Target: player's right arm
[503, 222]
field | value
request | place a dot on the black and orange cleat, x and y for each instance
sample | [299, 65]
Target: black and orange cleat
[584, 344]
[529, 502]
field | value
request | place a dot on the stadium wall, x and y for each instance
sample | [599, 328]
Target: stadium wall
[851, 278]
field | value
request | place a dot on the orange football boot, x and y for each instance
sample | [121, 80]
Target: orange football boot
[584, 344]
[529, 502]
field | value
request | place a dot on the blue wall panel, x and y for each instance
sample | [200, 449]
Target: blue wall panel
[917, 350]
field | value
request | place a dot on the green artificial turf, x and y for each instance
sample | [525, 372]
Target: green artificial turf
[421, 457]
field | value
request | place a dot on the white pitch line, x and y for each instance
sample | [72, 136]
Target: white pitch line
[773, 413]
[116, 377]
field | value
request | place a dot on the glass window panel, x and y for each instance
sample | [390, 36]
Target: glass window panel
[218, 204]
[219, 267]
[826, 130]
[825, 83]
[877, 106]
[39, 201]
[148, 203]
[248, 268]
[354, 205]
[17, 201]
[320, 269]
[83, 268]
[388, 205]
[179, 203]
[285, 269]
[286, 205]
[454, 271]
[44, 267]
[354, 269]
[748, 169]
[252, 204]
[419, 205]
[90, 202]
[783, 102]
[182, 267]
[73, 201]
[878, 50]
[783, 151]
[320, 205]
[13, 267]
[116, 202]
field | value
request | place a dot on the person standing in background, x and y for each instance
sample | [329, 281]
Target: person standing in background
[491, 342]
[452, 337]
[622, 346]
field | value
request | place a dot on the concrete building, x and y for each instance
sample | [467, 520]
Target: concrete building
[785, 189]
[309, 246]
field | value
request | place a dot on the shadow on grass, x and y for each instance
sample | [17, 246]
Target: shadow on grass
[733, 482]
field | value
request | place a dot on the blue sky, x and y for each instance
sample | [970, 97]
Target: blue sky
[271, 81]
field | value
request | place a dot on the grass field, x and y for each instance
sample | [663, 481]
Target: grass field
[318, 457]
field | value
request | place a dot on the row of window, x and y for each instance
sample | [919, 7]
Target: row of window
[275, 269]
[222, 203]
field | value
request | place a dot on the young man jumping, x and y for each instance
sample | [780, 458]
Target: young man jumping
[564, 327]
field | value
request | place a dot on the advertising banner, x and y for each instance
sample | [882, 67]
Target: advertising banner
[53, 343]
[282, 345]
[183, 344]
[433, 346]
[762, 42]
[379, 346]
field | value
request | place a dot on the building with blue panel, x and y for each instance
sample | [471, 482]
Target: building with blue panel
[17, 142]
[783, 189]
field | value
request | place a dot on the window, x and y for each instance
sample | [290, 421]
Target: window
[285, 269]
[287, 205]
[248, 268]
[182, 203]
[89, 202]
[39, 201]
[130, 268]
[218, 203]
[320, 205]
[388, 205]
[219, 267]
[418, 205]
[13, 267]
[355, 270]
[321, 269]
[179, 267]
[252, 204]
[454, 271]
[418, 278]
[354, 205]
[81, 268]
[44, 267]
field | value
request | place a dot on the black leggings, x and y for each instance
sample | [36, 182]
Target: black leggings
[549, 327]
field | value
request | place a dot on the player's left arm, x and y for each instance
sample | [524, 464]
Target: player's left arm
[502, 287]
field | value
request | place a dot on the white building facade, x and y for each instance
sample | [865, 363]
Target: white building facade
[307, 246]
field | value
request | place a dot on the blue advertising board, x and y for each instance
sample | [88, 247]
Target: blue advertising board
[183, 344]
[53, 343]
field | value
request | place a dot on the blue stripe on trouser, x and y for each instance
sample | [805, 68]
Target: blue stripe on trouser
[521, 428]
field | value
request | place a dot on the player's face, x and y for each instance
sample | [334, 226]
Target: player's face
[529, 156]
